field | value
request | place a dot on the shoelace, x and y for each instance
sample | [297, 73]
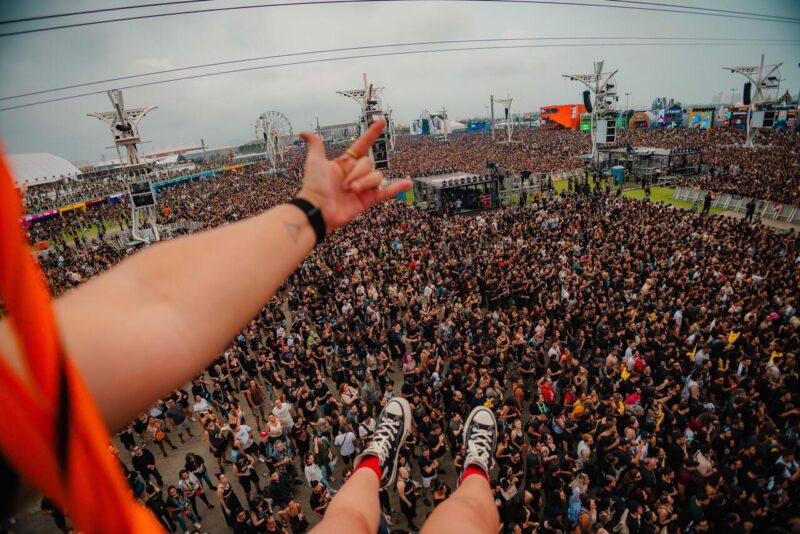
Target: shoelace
[384, 435]
[480, 444]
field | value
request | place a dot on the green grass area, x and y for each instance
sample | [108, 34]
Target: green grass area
[664, 195]
[91, 232]
[657, 194]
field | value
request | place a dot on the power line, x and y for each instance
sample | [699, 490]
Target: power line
[763, 18]
[176, 2]
[103, 10]
[363, 56]
[710, 9]
[391, 45]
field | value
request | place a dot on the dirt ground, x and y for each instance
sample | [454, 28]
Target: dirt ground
[212, 520]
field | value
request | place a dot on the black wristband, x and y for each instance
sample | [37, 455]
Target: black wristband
[314, 217]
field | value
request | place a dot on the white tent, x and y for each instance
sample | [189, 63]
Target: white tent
[40, 168]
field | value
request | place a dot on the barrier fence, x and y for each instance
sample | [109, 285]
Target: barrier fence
[765, 209]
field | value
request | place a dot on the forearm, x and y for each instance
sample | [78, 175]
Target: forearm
[161, 316]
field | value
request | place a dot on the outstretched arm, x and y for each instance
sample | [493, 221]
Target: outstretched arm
[149, 324]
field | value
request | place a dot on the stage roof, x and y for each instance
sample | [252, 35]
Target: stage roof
[438, 180]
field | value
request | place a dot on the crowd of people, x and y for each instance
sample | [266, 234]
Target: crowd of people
[641, 360]
[91, 185]
[769, 171]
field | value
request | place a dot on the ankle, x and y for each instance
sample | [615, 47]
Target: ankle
[372, 463]
[474, 470]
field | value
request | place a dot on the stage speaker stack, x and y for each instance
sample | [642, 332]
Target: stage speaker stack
[587, 101]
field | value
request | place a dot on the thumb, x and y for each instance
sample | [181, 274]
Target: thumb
[314, 145]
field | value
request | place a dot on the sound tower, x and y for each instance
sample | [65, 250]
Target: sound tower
[746, 94]
[380, 152]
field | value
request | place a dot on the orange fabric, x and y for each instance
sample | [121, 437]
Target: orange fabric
[89, 486]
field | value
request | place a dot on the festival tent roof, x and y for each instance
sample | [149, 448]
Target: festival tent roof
[40, 168]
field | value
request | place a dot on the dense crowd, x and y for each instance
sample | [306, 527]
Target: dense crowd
[532, 150]
[88, 186]
[640, 358]
[768, 171]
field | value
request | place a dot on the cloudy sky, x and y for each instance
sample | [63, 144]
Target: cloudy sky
[222, 109]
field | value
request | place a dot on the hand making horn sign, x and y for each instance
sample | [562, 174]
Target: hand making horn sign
[70, 368]
[344, 187]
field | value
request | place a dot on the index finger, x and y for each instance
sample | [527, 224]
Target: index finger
[362, 144]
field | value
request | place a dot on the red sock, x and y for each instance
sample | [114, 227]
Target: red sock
[474, 470]
[371, 462]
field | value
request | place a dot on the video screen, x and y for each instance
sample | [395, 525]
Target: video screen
[144, 200]
[701, 119]
[140, 187]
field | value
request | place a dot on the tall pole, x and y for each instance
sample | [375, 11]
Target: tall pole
[508, 118]
[203, 144]
[444, 118]
[627, 107]
[761, 77]
[733, 92]
[492, 101]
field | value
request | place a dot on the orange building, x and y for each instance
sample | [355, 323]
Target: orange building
[567, 116]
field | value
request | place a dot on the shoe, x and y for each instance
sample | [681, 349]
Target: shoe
[480, 438]
[393, 426]
[211, 506]
[426, 502]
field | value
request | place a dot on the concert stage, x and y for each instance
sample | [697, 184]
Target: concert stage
[457, 192]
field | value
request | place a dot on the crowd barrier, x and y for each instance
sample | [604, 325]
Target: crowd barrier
[765, 209]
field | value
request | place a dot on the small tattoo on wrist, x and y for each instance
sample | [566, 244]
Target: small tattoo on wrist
[294, 231]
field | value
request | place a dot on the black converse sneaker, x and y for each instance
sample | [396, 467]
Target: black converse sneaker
[393, 426]
[480, 438]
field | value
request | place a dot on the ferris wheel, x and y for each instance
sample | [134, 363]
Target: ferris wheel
[276, 131]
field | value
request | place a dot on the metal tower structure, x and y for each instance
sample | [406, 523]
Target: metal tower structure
[134, 170]
[603, 87]
[372, 110]
[506, 102]
[443, 113]
[491, 102]
[390, 129]
[764, 80]
[276, 130]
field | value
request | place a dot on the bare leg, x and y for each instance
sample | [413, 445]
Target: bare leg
[470, 508]
[356, 507]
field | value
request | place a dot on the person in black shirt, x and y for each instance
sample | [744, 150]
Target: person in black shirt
[279, 489]
[319, 499]
[145, 463]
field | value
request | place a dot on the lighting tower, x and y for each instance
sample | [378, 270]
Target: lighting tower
[603, 88]
[134, 170]
[371, 111]
[506, 102]
[764, 81]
